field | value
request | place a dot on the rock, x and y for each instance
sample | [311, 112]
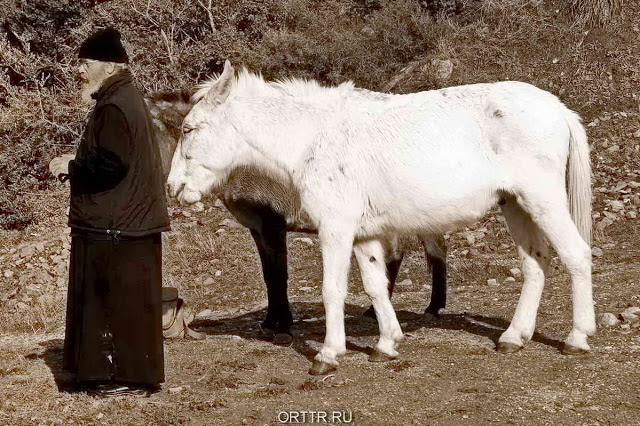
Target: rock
[604, 223]
[197, 207]
[632, 215]
[22, 306]
[307, 241]
[443, 68]
[218, 273]
[630, 315]
[175, 390]
[231, 223]
[368, 31]
[610, 215]
[515, 272]
[637, 134]
[597, 252]
[608, 320]
[405, 282]
[220, 231]
[186, 213]
[8, 274]
[509, 280]
[616, 205]
[306, 288]
[26, 252]
[208, 281]
[204, 313]
[492, 281]
[471, 239]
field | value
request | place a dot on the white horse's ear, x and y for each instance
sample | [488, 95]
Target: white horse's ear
[220, 91]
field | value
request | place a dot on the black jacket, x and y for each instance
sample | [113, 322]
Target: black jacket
[116, 177]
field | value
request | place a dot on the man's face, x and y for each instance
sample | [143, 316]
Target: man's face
[92, 73]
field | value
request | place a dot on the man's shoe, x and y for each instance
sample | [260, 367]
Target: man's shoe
[115, 389]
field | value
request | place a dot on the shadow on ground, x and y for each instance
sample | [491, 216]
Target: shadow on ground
[311, 326]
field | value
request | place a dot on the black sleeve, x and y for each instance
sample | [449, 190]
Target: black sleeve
[108, 162]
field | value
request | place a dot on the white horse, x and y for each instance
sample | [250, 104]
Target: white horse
[371, 165]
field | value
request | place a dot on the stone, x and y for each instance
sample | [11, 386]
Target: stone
[197, 207]
[231, 223]
[515, 272]
[443, 68]
[632, 215]
[220, 231]
[186, 213]
[608, 320]
[208, 281]
[616, 205]
[630, 316]
[306, 288]
[633, 310]
[509, 280]
[405, 282]
[305, 240]
[604, 223]
[175, 390]
[471, 239]
[218, 273]
[8, 274]
[597, 252]
[492, 281]
[204, 313]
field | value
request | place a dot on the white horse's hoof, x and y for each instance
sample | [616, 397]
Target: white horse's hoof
[508, 348]
[568, 349]
[320, 368]
[377, 356]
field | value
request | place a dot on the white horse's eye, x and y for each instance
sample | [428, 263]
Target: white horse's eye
[187, 129]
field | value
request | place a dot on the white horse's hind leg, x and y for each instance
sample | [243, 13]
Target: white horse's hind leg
[370, 257]
[336, 256]
[549, 211]
[534, 253]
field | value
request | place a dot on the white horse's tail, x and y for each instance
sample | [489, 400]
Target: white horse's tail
[579, 176]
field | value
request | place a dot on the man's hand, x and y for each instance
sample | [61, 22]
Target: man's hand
[59, 166]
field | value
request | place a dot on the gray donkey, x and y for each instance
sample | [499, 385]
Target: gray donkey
[270, 209]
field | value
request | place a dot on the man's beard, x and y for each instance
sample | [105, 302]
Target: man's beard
[88, 89]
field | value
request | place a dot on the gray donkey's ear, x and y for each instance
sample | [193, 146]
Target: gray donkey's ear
[220, 91]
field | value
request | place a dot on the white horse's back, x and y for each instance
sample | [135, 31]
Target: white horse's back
[446, 156]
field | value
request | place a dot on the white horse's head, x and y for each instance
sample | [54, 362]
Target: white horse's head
[210, 145]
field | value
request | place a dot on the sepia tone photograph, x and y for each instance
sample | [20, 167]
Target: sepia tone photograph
[300, 212]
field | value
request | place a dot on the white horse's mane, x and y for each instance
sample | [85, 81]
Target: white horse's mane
[247, 82]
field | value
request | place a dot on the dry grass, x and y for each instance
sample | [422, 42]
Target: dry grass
[596, 12]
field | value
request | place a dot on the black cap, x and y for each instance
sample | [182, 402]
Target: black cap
[105, 46]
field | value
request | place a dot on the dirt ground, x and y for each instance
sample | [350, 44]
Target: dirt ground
[448, 374]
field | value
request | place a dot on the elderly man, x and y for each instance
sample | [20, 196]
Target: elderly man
[113, 337]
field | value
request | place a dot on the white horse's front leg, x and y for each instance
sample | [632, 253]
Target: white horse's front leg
[370, 257]
[336, 247]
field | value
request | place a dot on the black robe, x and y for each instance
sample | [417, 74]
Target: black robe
[114, 310]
